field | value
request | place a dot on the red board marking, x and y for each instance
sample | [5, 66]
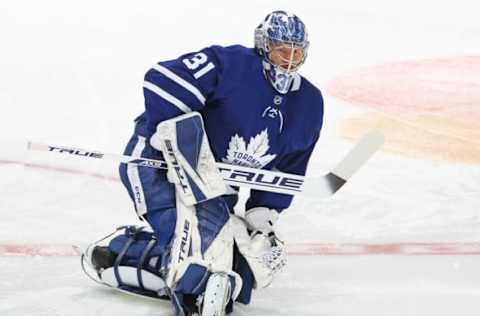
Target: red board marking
[299, 249]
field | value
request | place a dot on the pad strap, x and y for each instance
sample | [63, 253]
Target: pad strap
[143, 258]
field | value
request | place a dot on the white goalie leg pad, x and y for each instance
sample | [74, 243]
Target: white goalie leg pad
[129, 275]
[186, 249]
[183, 266]
[217, 295]
[182, 240]
[265, 260]
[219, 256]
[190, 161]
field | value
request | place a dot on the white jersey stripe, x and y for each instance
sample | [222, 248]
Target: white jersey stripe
[177, 79]
[167, 96]
[204, 70]
[134, 179]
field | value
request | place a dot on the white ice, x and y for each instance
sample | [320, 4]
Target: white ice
[71, 74]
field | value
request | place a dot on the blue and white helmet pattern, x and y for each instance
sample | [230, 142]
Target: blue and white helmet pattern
[287, 31]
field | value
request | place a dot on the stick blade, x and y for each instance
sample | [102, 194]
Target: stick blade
[36, 146]
[359, 155]
[325, 186]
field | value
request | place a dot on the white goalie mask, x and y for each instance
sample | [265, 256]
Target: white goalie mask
[282, 41]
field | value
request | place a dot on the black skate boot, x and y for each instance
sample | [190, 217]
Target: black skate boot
[102, 258]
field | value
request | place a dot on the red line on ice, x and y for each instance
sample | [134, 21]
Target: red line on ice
[18, 250]
[298, 249]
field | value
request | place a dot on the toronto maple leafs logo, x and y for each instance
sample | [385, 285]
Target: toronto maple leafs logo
[252, 155]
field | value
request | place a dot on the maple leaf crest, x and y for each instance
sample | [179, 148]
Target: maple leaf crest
[252, 155]
[237, 144]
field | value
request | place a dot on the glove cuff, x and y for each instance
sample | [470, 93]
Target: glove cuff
[261, 219]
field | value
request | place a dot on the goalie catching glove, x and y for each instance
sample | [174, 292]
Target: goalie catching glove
[263, 250]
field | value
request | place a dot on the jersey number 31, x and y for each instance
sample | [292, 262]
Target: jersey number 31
[196, 61]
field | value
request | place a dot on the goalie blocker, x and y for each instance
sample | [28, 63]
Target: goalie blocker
[191, 165]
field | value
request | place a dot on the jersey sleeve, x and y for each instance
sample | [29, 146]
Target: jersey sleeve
[180, 86]
[295, 163]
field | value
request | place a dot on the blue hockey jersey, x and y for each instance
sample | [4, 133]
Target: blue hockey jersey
[247, 121]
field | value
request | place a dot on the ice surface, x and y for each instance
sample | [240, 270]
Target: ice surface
[71, 74]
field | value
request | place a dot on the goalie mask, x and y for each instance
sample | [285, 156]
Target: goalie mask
[282, 41]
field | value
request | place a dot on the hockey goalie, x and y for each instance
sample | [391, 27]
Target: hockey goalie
[238, 105]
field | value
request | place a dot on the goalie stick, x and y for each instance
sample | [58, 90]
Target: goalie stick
[257, 179]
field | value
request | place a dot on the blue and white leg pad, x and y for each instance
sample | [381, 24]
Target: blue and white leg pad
[203, 242]
[191, 164]
[139, 262]
[142, 268]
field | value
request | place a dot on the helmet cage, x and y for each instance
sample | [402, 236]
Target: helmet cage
[263, 45]
[291, 63]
